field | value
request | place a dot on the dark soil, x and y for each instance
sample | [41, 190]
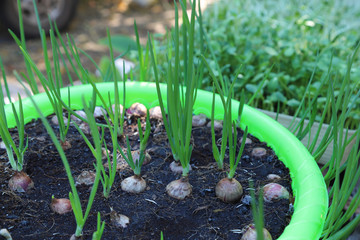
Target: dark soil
[200, 216]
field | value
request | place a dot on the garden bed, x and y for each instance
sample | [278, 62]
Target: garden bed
[200, 216]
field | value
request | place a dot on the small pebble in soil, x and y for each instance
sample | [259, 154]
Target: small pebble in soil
[199, 120]
[86, 178]
[2, 145]
[20, 182]
[272, 176]
[246, 200]
[155, 113]
[258, 152]
[119, 220]
[274, 192]
[251, 234]
[137, 109]
[60, 205]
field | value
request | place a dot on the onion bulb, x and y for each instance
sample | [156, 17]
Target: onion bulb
[176, 167]
[133, 184]
[228, 190]
[20, 182]
[119, 220]
[274, 191]
[251, 234]
[60, 205]
[199, 120]
[258, 152]
[179, 189]
[155, 113]
[137, 109]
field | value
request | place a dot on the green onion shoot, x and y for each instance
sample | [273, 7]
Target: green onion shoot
[135, 183]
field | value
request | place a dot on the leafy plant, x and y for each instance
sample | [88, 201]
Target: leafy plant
[294, 40]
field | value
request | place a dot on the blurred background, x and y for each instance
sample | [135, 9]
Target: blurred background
[85, 20]
[280, 44]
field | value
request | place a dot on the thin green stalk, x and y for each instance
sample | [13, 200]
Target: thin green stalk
[99, 228]
[10, 145]
[52, 82]
[257, 210]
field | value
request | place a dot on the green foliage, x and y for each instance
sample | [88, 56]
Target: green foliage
[291, 42]
[295, 39]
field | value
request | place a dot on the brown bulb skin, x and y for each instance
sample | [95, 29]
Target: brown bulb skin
[179, 189]
[133, 184]
[20, 182]
[229, 190]
[251, 234]
[60, 205]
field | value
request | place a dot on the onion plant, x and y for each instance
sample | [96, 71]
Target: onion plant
[99, 228]
[136, 183]
[52, 81]
[11, 147]
[182, 79]
[341, 177]
[256, 230]
[80, 216]
[228, 189]
[20, 181]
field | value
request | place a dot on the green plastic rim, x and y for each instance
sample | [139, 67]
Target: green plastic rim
[309, 189]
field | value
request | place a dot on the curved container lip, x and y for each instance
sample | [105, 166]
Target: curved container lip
[308, 186]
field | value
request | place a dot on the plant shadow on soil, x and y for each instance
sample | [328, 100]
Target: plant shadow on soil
[200, 216]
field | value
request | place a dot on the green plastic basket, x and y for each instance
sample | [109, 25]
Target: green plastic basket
[309, 189]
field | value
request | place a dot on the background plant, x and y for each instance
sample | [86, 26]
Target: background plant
[295, 40]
